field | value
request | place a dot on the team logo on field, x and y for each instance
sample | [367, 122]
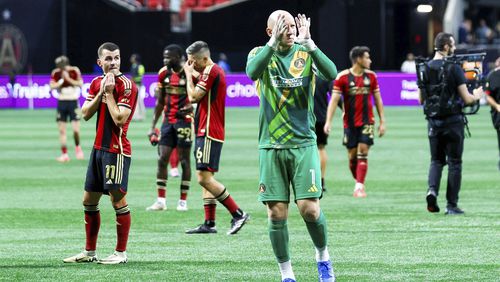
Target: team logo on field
[299, 63]
[13, 49]
[262, 188]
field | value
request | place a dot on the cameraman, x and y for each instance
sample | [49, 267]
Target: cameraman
[493, 98]
[445, 120]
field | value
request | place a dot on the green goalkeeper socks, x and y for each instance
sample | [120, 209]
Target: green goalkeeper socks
[317, 231]
[278, 233]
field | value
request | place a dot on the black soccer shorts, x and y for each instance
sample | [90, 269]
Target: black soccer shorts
[68, 109]
[207, 154]
[354, 136]
[178, 134]
[107, 172]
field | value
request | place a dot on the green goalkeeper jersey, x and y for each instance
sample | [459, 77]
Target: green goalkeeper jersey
[285, 84]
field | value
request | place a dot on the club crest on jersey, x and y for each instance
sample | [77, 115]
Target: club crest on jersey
[299, 63]
[366, 81]
[127, 92]
[204, 76]
[262, 188]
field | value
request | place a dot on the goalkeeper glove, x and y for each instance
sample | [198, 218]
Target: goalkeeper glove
[307, 43]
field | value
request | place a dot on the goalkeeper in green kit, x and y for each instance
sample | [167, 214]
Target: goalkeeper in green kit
[284, 72]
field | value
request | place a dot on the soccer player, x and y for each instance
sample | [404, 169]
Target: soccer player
[493, 98]
[284, 70]
[320, 106]
[357, 86]
[176, 126]
[137, 73]
[113, 97]
[67, 80]
[209, 92]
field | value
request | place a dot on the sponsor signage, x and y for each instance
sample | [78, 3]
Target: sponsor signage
[34, 91]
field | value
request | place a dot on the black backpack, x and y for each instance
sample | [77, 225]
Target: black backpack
[433, 80]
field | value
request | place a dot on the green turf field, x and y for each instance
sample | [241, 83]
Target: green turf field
[389, 236]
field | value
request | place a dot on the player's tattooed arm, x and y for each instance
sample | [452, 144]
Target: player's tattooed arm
[90, 107]
[118, 113]
[194, 93]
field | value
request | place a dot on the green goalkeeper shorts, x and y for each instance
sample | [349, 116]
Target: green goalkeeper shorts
[283, 171]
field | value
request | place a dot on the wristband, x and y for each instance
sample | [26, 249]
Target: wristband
[273, 43]
[308, 44]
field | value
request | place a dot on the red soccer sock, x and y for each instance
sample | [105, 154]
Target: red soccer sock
[92, 224]
[231, 206]
[353, 163]
[210, 213]
[64, 149]
[162, 192]
[361, 170]
[174, 158]
[184, 195]
[123, 220]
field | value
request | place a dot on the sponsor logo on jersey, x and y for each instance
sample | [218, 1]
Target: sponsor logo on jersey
[283, 82]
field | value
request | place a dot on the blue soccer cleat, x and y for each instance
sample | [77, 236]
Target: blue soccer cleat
[325, 271]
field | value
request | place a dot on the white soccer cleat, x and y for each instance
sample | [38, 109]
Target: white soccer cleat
[84, 256]
[157, 206]
[182, 205]
[115, 258]
[359, 191]
[64, 158]
[79, 153]
[174, 172]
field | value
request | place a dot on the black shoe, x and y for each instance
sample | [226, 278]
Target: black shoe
[237, 223]
[453, 211]
[432, 201]
[202, 229]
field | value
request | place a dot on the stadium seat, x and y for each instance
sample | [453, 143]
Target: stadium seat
[205, 3]
[190, 3]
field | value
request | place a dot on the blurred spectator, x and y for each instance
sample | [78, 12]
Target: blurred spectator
[175, 9]
[497, 34]
[408, 66]
[223, 63]
[465, 32]
[483, 32]
[137, 73]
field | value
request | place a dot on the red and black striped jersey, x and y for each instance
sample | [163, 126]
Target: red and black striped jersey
[109, 137]
[357, 92]
[210, 113]
[172, 86]
[73, 72]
